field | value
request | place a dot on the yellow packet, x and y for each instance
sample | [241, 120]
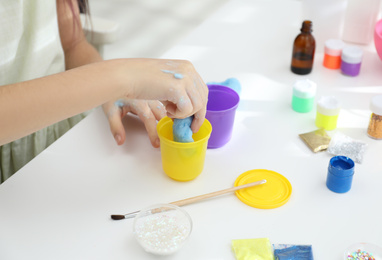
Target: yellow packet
[253, 249]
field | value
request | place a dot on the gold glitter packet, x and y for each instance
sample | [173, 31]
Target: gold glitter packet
[317, 140]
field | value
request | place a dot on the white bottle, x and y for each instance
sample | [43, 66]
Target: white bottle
[327, 17]
[360, 19]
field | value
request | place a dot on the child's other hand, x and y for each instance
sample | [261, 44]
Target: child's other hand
[149, 111]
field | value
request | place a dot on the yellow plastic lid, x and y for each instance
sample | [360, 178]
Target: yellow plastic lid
[272, 194]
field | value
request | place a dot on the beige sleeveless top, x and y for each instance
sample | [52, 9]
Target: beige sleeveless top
[30, 47]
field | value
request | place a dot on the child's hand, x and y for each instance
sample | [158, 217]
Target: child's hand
[149, 111]
[175, 83]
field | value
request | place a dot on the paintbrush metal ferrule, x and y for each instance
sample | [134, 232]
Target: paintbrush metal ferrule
[132, 214]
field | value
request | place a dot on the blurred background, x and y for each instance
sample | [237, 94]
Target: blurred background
[148, 28]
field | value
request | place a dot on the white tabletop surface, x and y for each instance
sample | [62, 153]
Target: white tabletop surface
[58, 206]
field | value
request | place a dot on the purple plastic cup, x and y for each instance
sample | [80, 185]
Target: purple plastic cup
[221, 110]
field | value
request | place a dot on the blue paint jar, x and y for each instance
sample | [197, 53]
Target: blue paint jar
[340, 174]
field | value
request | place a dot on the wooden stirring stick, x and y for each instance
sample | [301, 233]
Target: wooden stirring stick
[195, 199]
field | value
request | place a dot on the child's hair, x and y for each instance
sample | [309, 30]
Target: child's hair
[83, 5]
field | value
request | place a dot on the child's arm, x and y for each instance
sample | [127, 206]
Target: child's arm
[26, 107]
[79, 52]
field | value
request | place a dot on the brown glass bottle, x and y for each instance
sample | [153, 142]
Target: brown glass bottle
[303, 50]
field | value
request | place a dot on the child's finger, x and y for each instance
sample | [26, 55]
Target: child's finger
[150, 123]
[198, 120]
[158, 109]
[116, 126]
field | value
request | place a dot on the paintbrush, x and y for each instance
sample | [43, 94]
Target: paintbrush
[195, 199]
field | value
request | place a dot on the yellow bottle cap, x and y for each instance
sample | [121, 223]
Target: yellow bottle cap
[272, 194]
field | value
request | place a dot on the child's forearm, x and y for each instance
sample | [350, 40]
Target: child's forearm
[28, 106]
[31, 105]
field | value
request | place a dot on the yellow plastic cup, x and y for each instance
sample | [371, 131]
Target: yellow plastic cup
[183, 161]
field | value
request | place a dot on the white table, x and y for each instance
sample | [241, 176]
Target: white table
[59, 205]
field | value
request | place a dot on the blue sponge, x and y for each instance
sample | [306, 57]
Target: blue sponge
[232, 83]
[182, 130]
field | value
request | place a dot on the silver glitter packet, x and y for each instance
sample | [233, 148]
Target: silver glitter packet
[341, 144]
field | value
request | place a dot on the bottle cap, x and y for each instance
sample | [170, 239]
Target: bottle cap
[333, 47]
[352, 54]
[328, 105]
[376, 105]
[304, 88]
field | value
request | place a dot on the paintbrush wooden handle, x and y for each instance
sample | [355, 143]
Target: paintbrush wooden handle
[193, 199]
[215, 194]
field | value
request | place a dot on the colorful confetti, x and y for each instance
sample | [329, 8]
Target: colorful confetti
[360, 255]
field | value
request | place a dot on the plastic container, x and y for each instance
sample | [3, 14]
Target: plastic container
[162, 229]
[340, 174]
[360, 18]
[327, 17]
[351, 59]
[221, 110]
[375, 125]
[182, 161]
[333, 50]
[304, 92]
[328, 109]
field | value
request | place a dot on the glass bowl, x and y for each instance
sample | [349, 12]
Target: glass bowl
[355, 251]
[162, 229]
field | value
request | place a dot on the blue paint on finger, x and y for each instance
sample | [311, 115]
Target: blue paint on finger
[119, 103]
[176, 75]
